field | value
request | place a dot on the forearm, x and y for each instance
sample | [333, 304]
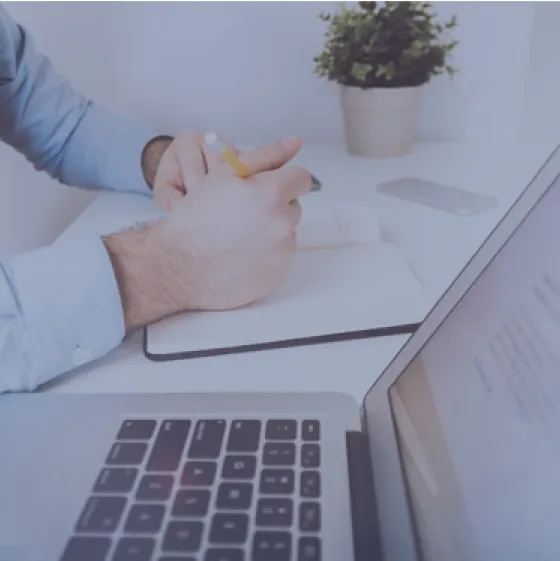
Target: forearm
[108, 151]
[62, 132]
[59, 308]
[73, 302]
[152, 280]
[105, 152]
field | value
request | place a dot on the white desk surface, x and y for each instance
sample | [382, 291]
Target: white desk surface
[436, 244]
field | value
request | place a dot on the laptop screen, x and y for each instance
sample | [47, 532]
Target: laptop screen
[477, 413]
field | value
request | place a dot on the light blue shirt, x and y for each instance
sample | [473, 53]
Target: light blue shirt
[59, 305]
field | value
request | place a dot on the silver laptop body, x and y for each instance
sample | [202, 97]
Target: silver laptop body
[454, 453]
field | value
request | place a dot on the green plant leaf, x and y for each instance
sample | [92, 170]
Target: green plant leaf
[385, 44]
[360, 70]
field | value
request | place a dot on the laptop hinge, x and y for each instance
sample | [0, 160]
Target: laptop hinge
[365, 526]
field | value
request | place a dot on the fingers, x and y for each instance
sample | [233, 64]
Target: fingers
[286, 184]
[271, 156]
[285, 223]
[213, 159]
[191, 159]
[294, 213]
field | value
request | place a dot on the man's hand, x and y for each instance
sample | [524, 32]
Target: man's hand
[230, 242]
[171, 167]
[152, 155]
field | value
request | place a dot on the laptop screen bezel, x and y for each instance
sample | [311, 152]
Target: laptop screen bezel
[396, 525]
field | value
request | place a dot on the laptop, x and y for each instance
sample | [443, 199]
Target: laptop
[453, 455]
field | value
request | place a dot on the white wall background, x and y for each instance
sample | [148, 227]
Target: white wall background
[245, 70]
[542, 115]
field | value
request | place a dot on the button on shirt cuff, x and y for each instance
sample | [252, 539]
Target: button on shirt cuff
[70, 307]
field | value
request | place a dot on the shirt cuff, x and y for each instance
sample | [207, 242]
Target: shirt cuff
[70, 305]
[105, 152]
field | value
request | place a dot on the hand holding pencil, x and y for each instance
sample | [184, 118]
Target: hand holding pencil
[228, 154]
[188, 158]
[236, 238]
[231, 157]
[228, 243]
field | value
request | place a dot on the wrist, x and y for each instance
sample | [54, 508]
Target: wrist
[151, 157]
[150, 285]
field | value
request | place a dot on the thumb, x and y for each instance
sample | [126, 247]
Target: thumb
[271, 156]
[190, 159]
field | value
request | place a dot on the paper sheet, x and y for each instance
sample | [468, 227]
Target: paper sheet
[328, 291]
[329, 222]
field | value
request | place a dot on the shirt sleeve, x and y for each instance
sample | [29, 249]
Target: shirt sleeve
[57, 128]
[59, 308]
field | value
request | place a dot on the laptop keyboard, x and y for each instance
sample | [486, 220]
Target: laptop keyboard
[205, 490]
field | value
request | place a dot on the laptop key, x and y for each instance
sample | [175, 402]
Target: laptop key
[234, 496]
[239, 467]
[279, 454]
[144, 519]
[229, 528]
[191, 502]
[126, 454]
[174, 558]
[274, 512]
[219, 554]
[155, 488]
[310, 484]
[272, 546]
[136, 429]
[309, 517]
[277, 482]
[244, 436]
[207, 439]
[183, 536]
[134, 549]
[115, 480]
[198, 474]
[310, 455]
[168, 447]
[86, 549]
[309, 549]
[310, 430]
[282, 429]
[101, 514]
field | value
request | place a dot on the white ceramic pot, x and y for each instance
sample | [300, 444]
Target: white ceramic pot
[380, 122]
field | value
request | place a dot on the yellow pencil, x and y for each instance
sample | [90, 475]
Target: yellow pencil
[220, 147]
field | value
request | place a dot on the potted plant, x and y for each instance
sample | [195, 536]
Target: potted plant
[382, 54]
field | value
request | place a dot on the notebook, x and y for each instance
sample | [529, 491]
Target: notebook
[345, 283]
